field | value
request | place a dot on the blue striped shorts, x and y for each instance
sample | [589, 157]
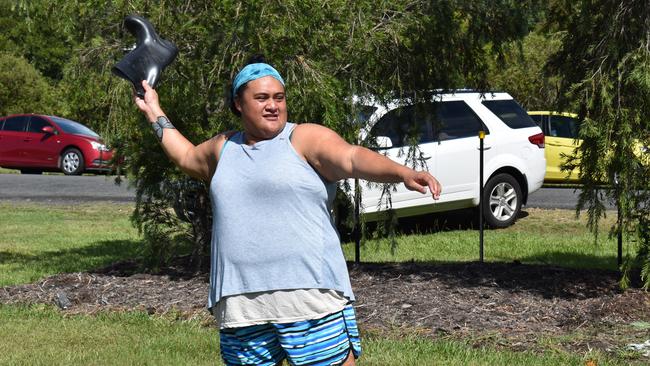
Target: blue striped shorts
[324, 341]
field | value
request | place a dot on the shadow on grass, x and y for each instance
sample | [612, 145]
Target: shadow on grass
[463, 219]
[73, 260]
[573, 260]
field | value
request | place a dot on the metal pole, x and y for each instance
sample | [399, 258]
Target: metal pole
[481, 136]
[357, 223]
[619, 220]
[620, 233]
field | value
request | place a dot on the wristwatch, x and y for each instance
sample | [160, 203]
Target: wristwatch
[161, 123]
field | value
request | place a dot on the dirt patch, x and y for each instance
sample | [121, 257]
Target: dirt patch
[511, 305]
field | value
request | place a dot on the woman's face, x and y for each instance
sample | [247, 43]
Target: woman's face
[263, 108]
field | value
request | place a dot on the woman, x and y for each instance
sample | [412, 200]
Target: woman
[279, 285]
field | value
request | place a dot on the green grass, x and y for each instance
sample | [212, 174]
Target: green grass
[38, 241]
[9, 171]
[543, 237]
[387, 349]
[41, 335]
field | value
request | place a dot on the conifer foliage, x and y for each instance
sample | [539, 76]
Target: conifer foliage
[604, 65]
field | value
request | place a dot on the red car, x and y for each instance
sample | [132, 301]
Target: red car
[35, 143]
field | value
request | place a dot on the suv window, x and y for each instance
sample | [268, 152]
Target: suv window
[510, 113]
[36, 124]
[404, 122]
[429, 122]
[562, 126]
[16, 123]
[456, 120]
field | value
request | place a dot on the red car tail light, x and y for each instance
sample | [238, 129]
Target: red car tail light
[537, 139]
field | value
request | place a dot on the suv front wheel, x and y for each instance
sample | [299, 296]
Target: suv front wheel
[502, 199]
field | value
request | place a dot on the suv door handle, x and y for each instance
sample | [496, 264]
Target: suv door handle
[28, 139]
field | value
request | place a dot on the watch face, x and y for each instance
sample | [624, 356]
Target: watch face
[157, 129]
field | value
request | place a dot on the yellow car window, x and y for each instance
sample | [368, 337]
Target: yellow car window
[563, 126]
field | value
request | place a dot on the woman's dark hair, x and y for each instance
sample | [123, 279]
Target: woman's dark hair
[254, 59]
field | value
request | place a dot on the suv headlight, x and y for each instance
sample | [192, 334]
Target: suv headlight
[97, 146]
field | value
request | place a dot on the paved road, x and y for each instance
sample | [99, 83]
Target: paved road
[61, 188]
[57, 188]
[554, 198]
[566, 198]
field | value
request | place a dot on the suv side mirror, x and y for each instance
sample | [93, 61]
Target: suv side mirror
[384, 142]
[48, 129]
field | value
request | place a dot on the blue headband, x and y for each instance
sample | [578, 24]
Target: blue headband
[252, 72]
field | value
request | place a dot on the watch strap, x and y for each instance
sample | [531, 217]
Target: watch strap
[161, 123]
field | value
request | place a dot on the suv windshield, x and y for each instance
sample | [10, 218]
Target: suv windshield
[510, 113]
[362, 113]
[74, 127]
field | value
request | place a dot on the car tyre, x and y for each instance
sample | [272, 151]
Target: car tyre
[502, 200]
[72, 162]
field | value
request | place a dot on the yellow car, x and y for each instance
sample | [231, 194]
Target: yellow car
[561, 138]
[561, 131]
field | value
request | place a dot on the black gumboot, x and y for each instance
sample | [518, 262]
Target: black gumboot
[149, 58]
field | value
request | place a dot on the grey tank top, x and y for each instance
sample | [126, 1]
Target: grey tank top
[272, 228]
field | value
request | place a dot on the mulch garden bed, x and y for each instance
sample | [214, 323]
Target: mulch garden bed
[510, 305]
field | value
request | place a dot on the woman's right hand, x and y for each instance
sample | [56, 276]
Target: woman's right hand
[149, 105]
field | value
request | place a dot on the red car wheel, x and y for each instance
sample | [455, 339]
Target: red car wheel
[72, 162]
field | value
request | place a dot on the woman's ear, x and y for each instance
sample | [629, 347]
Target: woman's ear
[237, 104]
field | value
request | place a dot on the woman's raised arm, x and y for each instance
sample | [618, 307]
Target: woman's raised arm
[198, 161]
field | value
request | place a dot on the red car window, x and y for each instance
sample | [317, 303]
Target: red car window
[16, 123]
[36, 124]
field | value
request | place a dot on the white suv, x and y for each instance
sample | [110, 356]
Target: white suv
[446, 130]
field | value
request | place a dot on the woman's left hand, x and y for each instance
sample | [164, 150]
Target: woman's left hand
[421, 181]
